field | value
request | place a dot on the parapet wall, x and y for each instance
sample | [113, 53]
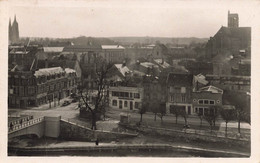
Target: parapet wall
[72, 131]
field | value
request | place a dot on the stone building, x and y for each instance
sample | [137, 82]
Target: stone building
[230, 39]
[179, 89]
[44, 86]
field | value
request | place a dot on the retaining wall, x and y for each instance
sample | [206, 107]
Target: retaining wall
[73, 131]
[186, 135]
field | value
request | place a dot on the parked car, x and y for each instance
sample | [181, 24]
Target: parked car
[74, 100]
[65, 103]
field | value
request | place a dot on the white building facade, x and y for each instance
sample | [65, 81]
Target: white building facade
[125, 98]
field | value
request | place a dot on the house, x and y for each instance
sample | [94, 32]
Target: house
[205, 99]
[179, 89]
[118, 73]
[154, 90]
[125, 98]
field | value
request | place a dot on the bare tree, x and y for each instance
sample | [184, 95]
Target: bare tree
[228, 115]
[176, 111]
[162, 111]
[95, 104]
[200, 115]
[142, 110]
[211, 116]
[184, 114]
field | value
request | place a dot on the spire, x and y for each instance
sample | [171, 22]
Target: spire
[9, 22]
[15, 18]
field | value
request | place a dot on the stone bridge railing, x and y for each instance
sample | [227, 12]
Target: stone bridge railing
[23, 124]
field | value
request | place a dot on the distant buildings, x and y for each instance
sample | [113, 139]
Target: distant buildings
[13, 31]
[113, 53]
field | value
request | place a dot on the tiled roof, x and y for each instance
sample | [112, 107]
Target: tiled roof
[53, 49]
[212, 89]
[161, 63]
[107, 47]
[122, 69]
[148, 65]
[180, 79]
[69, 70]
[48, 71]
[201, 79]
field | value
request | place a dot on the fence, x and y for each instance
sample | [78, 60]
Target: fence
[24, 124]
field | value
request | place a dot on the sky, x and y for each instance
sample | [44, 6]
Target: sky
[103, 18]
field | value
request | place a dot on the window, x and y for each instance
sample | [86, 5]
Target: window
[136, 105]
[172, 98]
[136, 95]
[183, 90]
[200, 101]
[131, 95]
[212, 102]
[125, 104]
[183, 98]
[206, 101]
[114, 102]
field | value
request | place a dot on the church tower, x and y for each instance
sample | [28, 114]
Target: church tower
[13, 31]
[233, 20]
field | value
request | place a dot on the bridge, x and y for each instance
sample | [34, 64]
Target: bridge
[29, 125]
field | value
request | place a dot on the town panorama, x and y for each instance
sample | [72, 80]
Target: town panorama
[130, 96]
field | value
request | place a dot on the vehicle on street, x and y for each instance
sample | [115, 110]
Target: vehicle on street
[65, 103]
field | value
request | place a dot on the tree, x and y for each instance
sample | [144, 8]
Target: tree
[228, 115]
[200, 115]
[211, 116]
[176, 110]
[241, 115]
[155, 108]
[162, 111]
[96, 104]
[142, 110]
[184, 114]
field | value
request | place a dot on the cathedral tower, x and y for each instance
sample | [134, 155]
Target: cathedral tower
[233, 20]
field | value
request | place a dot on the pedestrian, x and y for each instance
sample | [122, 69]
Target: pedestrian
[97, 141]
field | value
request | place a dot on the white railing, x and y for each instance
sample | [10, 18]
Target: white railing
[24, 124]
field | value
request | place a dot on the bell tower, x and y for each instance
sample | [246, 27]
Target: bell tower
[233, 20]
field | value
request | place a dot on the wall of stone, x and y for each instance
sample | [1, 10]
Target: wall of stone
[72, 131]
[186, 135]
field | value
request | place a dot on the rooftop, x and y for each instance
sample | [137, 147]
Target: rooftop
[107, 47]
[211, 89]
[122, 69]
[69, 70]
[53, 49]
[148, 65]
[180, 79]
[162, 63]
[48, 71]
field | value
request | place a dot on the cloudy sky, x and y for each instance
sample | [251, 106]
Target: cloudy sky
[103, 18]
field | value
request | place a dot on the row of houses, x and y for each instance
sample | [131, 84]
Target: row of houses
[44, 86]
[179, 90]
